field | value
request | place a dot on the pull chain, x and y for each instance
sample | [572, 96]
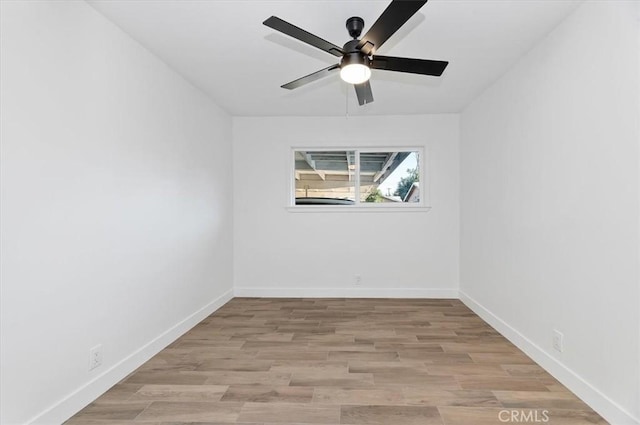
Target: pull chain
[346, 104]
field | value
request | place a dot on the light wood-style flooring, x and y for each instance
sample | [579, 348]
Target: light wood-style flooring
[339, 361]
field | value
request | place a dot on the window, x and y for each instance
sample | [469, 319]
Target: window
[358, 177]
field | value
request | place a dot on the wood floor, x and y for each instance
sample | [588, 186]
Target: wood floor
[339, 361]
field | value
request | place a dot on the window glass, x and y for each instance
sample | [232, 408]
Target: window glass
[325, 177]
[389, 177]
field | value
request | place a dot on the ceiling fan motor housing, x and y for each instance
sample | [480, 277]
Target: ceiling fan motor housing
[351, 58]
[353, 55]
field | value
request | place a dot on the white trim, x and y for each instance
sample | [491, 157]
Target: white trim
[607, 408]
[638, 134]
[356, 178]
[341, 292]
[350, 208]
[81, 397]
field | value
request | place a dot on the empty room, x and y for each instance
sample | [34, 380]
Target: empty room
[313, 212]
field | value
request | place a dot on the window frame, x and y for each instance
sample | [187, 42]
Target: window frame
[422, 206]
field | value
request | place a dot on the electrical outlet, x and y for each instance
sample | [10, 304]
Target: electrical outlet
[95, 357]
[558, 340]
[358, 280]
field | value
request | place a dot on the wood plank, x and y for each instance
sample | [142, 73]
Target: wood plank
[190, 412]
[268, 394]
[290, 413]
[386, 415]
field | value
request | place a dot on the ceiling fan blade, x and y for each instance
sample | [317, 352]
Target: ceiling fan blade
[310, 78]
[394, 16]
[413, 66]
[302, 35]
[364, 93]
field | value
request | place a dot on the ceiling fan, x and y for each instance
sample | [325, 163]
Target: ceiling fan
[358, 55]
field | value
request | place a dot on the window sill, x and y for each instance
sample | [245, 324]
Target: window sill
[353, 208]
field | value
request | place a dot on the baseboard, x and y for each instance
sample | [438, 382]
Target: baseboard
[77, 400]
[338, 292]
[599, 402]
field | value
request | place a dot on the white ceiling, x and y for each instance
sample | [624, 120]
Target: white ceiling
[223, 48]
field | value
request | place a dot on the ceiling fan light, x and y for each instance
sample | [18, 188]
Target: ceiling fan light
[355, 73]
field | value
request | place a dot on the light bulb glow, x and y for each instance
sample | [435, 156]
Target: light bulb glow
[355, 73]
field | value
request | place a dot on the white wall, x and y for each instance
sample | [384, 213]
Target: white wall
[116, 206]
[549, 201]
[282, 253]
[638, 128]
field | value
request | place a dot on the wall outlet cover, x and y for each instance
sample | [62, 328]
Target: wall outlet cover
[95, 357]
[558, 340]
